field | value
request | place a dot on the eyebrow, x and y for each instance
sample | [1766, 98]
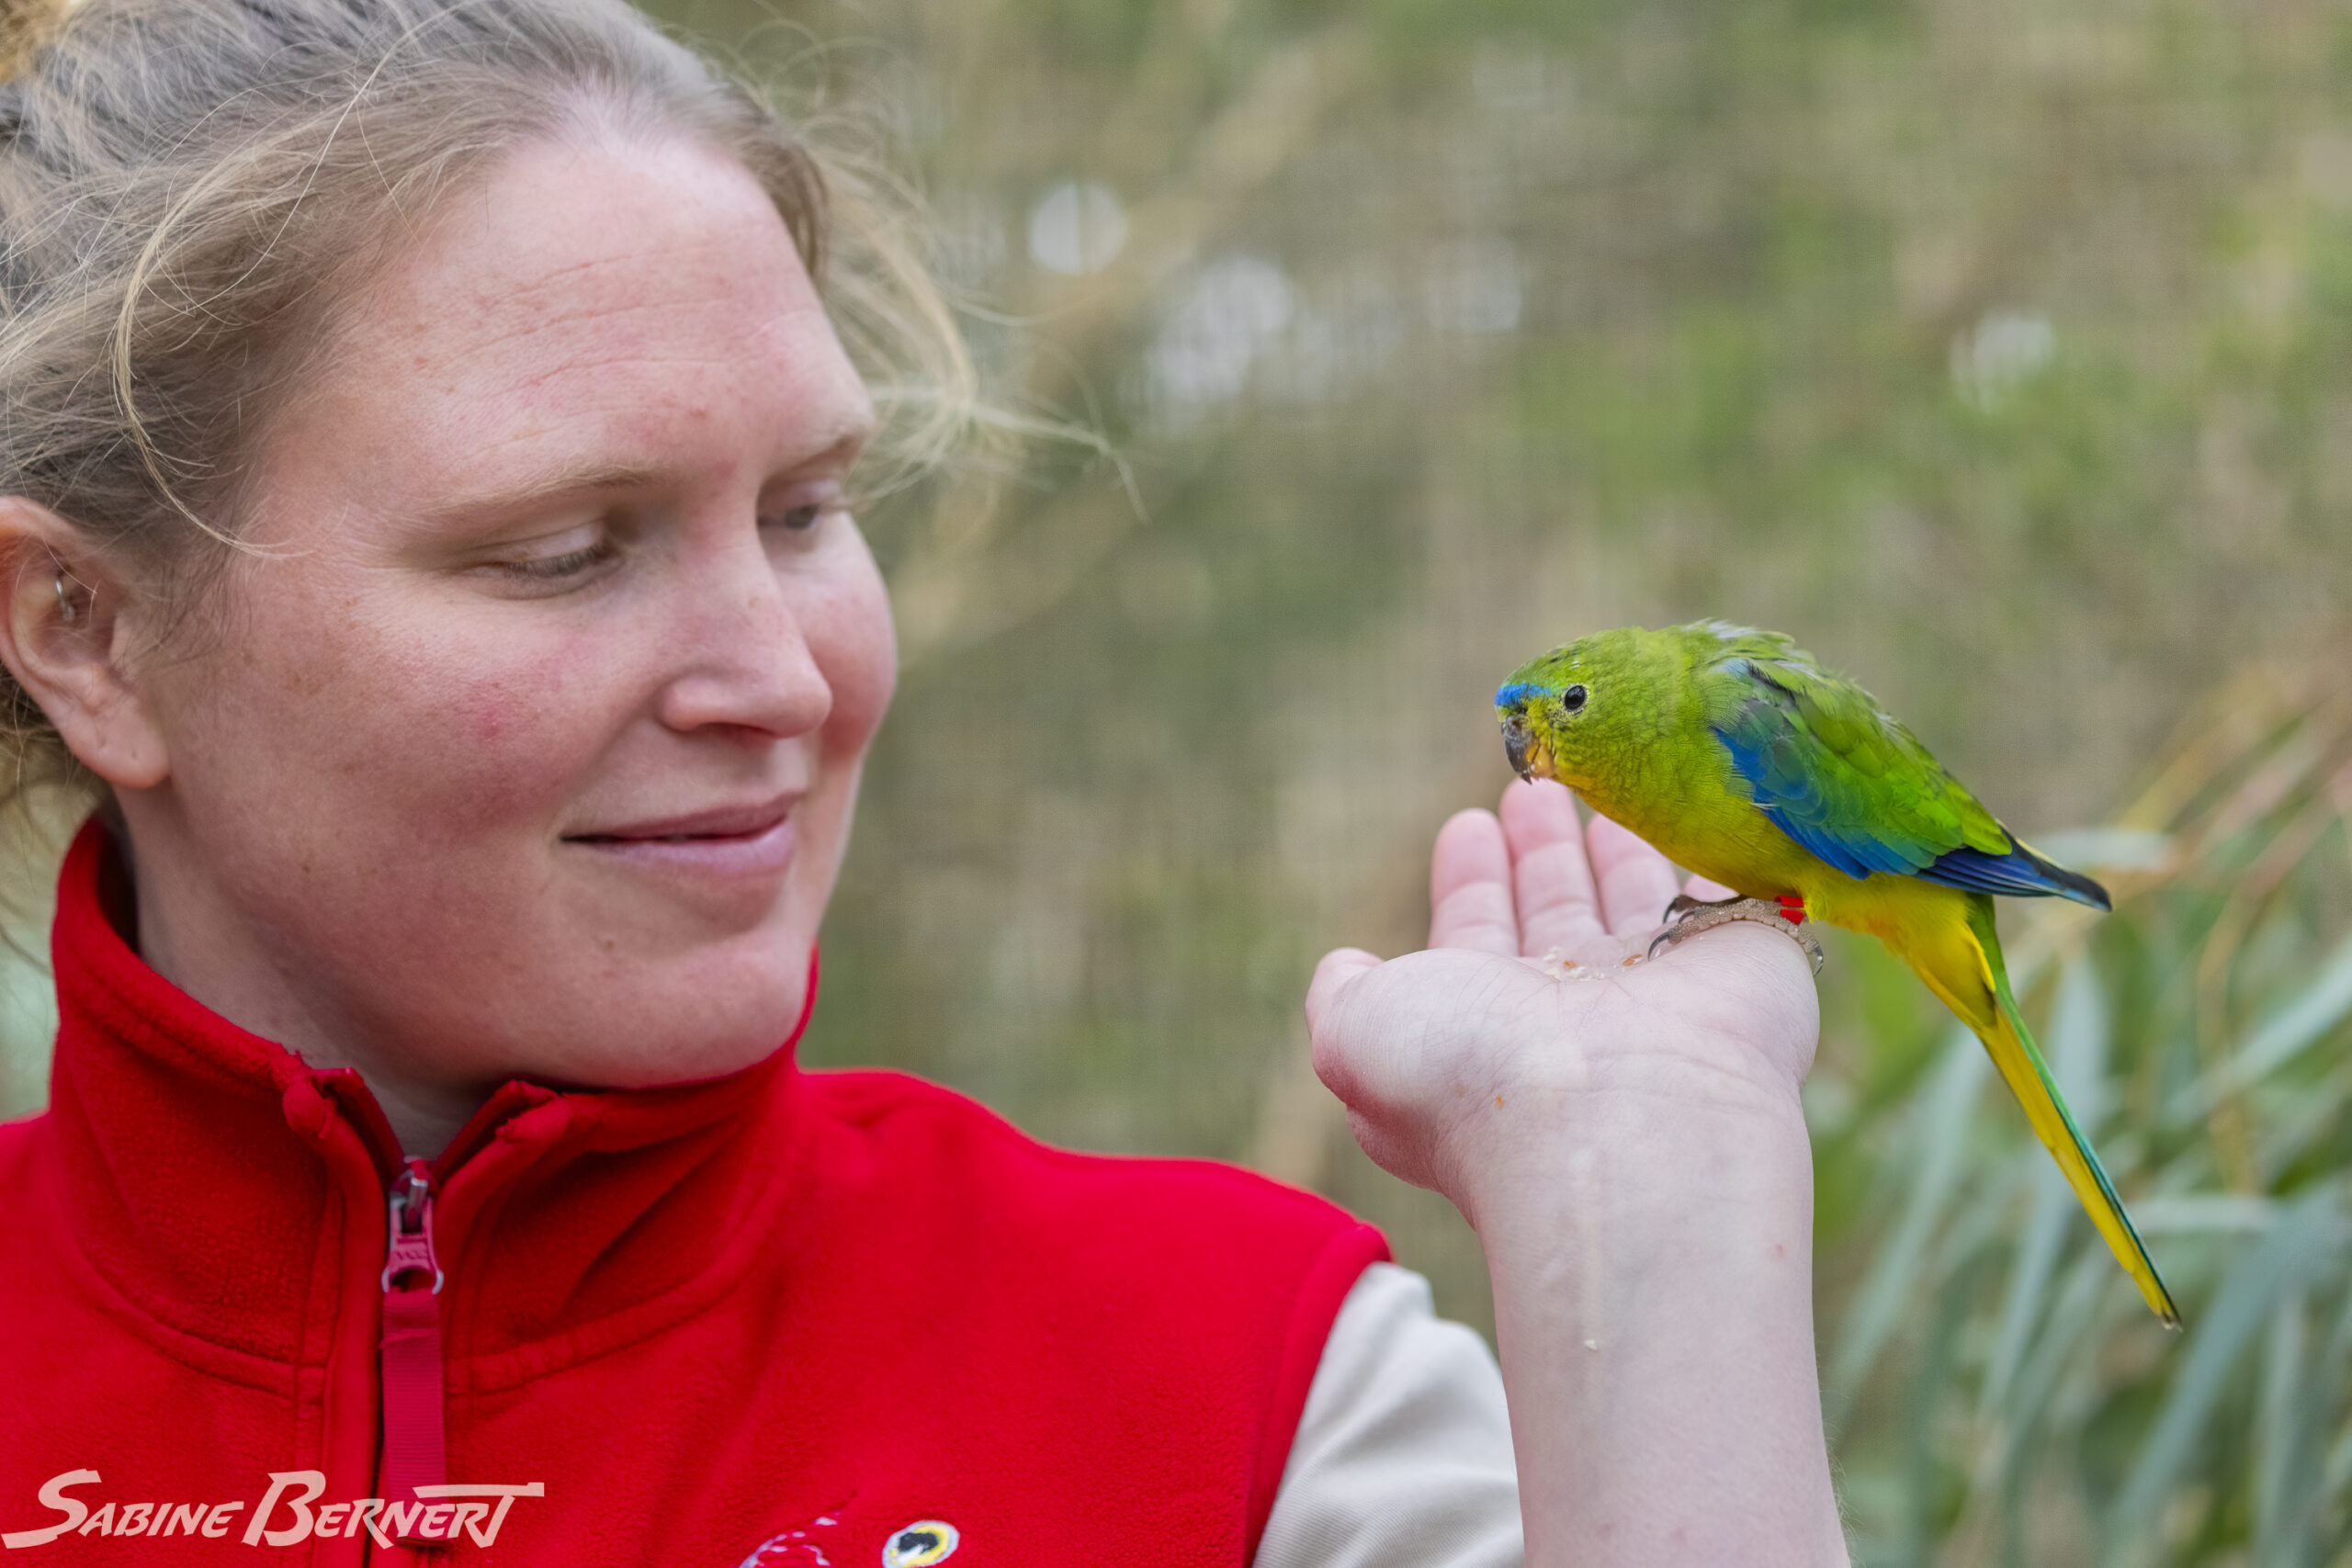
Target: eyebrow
[554, 484]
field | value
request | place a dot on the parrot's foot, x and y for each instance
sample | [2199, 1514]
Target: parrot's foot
[1690, 916]
[1792, 907]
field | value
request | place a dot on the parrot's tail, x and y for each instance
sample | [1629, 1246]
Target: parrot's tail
[1981, 999]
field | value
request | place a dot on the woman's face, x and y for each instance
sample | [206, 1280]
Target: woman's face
[528, 741]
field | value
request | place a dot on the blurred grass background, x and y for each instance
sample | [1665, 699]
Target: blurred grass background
[1996, 349]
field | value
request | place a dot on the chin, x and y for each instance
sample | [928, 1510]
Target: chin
[638, 1010]
[650, 1061]
[703, 1025]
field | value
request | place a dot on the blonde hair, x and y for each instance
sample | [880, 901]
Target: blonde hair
[189, 189]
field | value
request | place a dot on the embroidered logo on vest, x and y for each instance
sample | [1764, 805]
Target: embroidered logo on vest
[921, 1544]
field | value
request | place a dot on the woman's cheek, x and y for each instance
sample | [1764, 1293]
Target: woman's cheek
[504, 738]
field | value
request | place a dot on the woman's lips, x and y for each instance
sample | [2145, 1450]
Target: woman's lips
[733, 842]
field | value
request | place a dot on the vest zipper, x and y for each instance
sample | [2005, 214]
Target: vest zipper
[414, 1452]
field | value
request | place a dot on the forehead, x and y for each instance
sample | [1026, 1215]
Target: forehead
[601, 303]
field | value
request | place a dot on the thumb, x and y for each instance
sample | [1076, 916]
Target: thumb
[1331, 977]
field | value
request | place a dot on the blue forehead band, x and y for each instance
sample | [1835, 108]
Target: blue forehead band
[1515, 693]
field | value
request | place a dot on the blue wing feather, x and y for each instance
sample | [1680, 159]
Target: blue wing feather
[1793, 803]
[1814, 752]
[1771, 749]
[2020, 873]
[1973, 871]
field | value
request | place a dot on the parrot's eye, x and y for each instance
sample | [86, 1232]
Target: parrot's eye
[1573, 698]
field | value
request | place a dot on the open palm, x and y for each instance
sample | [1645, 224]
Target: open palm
[1522, 1015]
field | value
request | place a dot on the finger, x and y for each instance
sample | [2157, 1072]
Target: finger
[1470, 902]
[1550, 879]
[1635, 883]
[1708, 892]
[1331, 977]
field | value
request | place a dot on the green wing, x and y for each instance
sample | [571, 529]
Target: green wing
[1836, 773]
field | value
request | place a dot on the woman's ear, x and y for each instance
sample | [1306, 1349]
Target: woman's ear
[66, 635]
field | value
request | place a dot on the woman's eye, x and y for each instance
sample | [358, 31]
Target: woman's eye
[806, 507]
[559, 568]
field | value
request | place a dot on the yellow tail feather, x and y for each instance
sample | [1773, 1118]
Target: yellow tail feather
[1961, 962]
[2012, 1052]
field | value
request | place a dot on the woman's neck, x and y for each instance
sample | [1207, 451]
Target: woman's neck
[208, 953]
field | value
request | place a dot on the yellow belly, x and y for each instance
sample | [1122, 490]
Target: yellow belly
[1756, 859]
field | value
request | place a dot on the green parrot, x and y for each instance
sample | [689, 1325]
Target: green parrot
[1738, 757]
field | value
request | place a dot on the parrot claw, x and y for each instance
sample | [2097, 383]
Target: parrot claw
[1683, 904]
[1696, 915]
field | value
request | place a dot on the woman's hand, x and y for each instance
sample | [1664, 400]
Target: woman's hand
[1627, 1140]
[1523, 1013]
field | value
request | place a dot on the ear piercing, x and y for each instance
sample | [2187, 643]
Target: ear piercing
[66, 609]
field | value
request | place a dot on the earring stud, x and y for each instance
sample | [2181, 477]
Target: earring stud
[66, 611]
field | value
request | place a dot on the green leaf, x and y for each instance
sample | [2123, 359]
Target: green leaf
[2315, 1009]
[1941, 1120]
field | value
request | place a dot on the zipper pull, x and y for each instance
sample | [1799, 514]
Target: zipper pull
[410, 1228]
[413, 1452]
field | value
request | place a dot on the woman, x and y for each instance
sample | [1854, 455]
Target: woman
[426, 450]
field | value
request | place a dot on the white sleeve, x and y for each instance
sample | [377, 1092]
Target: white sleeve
[1403, 1456]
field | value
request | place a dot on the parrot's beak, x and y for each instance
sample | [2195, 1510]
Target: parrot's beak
[1515, 740]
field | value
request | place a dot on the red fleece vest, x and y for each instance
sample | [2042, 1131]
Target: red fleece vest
[776, 1318]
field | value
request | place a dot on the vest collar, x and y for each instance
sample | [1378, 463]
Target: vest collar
[219, 1188]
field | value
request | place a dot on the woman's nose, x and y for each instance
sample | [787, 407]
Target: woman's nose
[744, 655]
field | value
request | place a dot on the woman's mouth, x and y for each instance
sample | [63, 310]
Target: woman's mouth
[752, 839]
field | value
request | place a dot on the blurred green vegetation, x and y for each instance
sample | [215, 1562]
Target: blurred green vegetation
[1996, 349]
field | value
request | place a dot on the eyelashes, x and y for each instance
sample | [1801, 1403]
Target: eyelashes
[572, 563]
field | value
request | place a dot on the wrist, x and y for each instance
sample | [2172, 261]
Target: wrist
[1639, 1142]
[1671, 1210]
